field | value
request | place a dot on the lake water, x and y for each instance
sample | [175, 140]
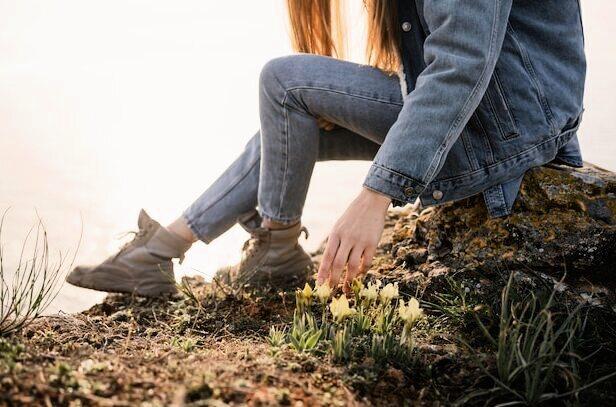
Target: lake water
[108, 107]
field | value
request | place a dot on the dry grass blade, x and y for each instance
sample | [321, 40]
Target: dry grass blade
[34, 283]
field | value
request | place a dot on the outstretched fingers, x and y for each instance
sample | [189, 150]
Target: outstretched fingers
[354, 266]
[328, 258]
[340, 256]
[339, 263]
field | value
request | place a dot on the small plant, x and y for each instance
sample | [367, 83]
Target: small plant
[27, 291]
[458, 305]
[305, 334]
[384, 347]
[186, 289]
[182, 320]
[341, 346]
[186, 344]
[62, 375]
[276, 339]
[362, 322]
[535, 351]
[9, 352]
[385, 319]
[410, 314]
[372, 321]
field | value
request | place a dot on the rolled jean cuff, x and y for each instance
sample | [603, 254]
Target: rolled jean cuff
[279, 219]
[195, 230]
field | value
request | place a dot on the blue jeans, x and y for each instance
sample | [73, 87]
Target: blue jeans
[270, 178]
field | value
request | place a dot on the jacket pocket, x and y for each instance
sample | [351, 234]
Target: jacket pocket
[500, 110]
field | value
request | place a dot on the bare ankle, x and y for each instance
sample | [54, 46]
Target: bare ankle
[181, 228]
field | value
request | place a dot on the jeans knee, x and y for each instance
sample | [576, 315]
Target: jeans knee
[287, 71]
[273, 73]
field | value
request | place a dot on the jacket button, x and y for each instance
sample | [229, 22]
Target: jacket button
[437, 194]
[408, 191]
[406, 26]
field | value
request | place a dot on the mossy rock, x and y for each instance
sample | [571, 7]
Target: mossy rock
[564, 219]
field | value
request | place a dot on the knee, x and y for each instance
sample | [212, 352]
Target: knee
[282, 72]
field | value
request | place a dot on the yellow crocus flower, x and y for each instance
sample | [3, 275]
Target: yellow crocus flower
[340, 308]
[307, 292]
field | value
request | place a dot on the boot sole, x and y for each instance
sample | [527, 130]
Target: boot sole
[115, 280]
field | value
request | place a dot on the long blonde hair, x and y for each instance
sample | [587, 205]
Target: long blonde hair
[317, 27]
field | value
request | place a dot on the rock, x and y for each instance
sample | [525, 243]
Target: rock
[564, 219]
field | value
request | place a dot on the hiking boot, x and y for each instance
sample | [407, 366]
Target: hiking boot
[143, 266]
[270, 259]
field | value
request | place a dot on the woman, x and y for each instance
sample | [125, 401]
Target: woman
[460, 97]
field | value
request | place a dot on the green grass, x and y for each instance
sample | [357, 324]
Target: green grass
[10, 351]
[26, 291]
[536, 352]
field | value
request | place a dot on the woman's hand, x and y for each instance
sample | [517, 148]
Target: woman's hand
[325, 125]
[354, 238]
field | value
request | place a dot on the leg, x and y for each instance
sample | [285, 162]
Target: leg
[295, 92]
[363, 101]
[233, 196]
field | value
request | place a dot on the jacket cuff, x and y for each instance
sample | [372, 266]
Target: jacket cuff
[401, 189]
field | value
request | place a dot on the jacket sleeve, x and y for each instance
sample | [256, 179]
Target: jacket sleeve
[460, 51]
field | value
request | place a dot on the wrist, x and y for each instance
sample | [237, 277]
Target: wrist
[376, 198]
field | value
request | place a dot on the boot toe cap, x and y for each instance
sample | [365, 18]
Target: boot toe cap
[77, 275]
[148, 283]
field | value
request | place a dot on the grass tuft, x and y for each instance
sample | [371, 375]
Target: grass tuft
[536, 351]
[28, 290]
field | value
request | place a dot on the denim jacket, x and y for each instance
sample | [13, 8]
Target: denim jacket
[496, 87]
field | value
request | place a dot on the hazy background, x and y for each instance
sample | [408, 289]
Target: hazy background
[110, 106]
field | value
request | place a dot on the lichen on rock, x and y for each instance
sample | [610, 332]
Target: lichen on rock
[563, 220]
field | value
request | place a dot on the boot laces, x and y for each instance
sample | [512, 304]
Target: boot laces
[137, 238]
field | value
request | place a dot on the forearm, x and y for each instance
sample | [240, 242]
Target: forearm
[460, 54]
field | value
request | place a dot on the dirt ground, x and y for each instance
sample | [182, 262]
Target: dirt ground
[209, 348]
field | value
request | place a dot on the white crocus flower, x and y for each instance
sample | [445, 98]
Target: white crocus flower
[410, 313]
[370, 293]
[389, 292]
[322, 292]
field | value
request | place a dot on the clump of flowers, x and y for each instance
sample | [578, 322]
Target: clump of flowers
[373, 321]
[410, 314]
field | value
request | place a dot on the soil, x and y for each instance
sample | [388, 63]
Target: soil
[209, 348]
